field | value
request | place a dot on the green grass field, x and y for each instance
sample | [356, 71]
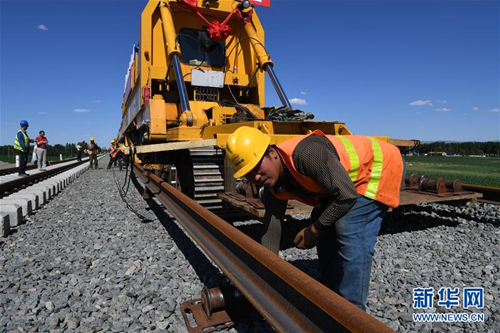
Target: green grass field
[470, 170]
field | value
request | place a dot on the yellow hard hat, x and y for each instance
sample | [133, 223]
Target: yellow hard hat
[112, 141]
[92, 138]
[244, 149]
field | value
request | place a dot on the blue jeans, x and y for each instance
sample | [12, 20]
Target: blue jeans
[345, 250]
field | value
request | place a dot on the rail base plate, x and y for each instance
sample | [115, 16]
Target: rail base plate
[197, 320]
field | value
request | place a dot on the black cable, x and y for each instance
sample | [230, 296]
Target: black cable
[227, 59]
[200, 46]
[247, 87]
[239, 107]
[129, 178]
[124, 194]
[407, 150]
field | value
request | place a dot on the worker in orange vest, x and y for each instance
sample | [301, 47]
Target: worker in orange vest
[115, 155]
[351, 181]
[93, 150]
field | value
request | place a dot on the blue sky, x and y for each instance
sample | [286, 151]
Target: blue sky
[424, 70]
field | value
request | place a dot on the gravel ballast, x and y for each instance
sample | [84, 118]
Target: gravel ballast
[87, 261]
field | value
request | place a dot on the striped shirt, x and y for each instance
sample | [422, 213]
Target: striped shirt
[317, 158]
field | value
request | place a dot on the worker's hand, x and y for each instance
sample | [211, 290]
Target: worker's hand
[307, 238]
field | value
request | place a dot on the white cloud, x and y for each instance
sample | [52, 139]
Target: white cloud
[421, 102]
[42, 27]
[298, 101]
[95, 101]
[81, 110]
[494, 110]
[9, 123]
[475, 108]
[443, 110]
[442, 101]
[41, 113]
[303, 93]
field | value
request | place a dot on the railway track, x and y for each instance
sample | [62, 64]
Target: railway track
[290, 300]
[130, 266]
[20, 196]
[270, 284]
[490, 194]
[10, 182]
[8, 171]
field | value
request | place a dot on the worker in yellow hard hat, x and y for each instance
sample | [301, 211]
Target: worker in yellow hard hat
[351, 181]
[93, 150]
[114, 155]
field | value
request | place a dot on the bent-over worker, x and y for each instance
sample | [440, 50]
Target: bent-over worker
[351, 181]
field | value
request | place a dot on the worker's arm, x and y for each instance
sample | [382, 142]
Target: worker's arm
[41, 141]
[275, 213]
[317, 158]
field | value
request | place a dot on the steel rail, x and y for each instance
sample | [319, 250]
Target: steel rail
[490, 194]
[18, 183]
[289, 299]
[7, 171]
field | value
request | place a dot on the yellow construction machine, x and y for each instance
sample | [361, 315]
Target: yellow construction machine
[195, 76]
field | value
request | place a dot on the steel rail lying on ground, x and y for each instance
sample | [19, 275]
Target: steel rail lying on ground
[490, 194]
[18, 183]
[289, 299]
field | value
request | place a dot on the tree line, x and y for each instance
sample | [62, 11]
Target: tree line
[68, 150]
[489, 148]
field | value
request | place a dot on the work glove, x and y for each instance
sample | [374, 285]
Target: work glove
[306, 238]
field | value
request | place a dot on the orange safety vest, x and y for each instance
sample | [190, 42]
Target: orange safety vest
[375, 167]
[111, 148]
[93, 151]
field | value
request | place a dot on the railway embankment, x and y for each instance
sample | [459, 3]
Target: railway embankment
[91, 259]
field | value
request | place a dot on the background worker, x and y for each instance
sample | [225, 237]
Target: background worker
[22, 145]
[92, 151]
[350, 180]
[79, 150]
[41, 150]
[115, 155]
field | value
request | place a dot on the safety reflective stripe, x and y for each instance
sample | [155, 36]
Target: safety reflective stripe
[376, 174]
[353, 157]
[17, 145]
